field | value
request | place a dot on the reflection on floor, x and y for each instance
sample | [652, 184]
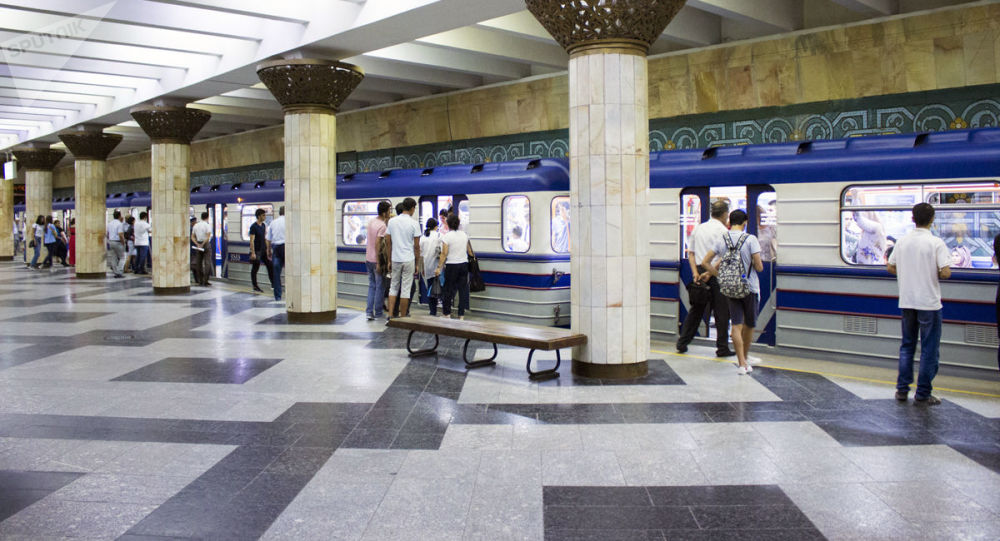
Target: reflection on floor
[208, 416]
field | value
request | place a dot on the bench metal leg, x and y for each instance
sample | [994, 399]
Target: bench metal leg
[479, 363]
[422, 351]
[543, 375]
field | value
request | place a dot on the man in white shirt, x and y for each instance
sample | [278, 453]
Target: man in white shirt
[116, 245]
[276, 249]
[703, 239]
[141, 243]
[919, 260]
[201, 237]
[402, 239]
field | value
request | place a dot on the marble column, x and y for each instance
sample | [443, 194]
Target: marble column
[310, 92]
[171, 129]
[6, 220]
[609, 174]
[38, 161]
[90, 147]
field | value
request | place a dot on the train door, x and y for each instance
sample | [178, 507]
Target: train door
[217, 219]
[760, 204]
[430, 206]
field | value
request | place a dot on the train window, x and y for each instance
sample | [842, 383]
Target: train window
[559, 224]
[357, 214]
[426, 211]
[690, 217]
[516, 223]
[967, 218]
[463, 213]
[248, 215]
[767, 225]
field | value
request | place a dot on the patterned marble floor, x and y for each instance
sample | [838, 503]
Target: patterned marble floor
[206, 416]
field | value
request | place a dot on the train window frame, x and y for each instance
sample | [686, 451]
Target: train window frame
[245, 231]
[925, 191]
[344, 215]
[525, 235]
[552, 217]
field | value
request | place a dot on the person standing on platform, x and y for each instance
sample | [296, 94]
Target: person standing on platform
[116, 244]
[996, 303]
[702, 240]
[51, 234]
[201, 236]
[141, 233]
[455, 253]
[258, 250]
[737, 273]
[72, 241]
[919, 261]
[430, 248]
[375, 236]
[37, 237]
[276, 250]
[130, 243]
[402, 238]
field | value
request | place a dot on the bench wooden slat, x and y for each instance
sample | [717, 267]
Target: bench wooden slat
[497, 332]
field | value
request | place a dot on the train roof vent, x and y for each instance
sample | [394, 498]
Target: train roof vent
[348, 177]
[920, 139]
[259, 185]
[236, 186]
[709, 153]
[215, 188]
[196, 189]
[130, 194]
[478, 168]
[533, 164]
[804, 147]
[427, 172]
[282, 183]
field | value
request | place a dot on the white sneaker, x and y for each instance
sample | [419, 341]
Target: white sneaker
[749, 368]
[754, 360]
[741, 370]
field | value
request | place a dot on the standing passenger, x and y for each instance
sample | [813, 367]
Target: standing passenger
[201, 235]
[72, 241]
[402, 237]
[276, 250]
[739, 250]
[37, 236]
[455, 252]
[430, 248]
[51, 234]
[919, 261]
[116, 244]
[258, 250]
[375, 236]
[141, 243]
[703, 239]
[130, 243]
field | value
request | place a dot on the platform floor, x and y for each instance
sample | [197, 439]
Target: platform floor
[207, 416]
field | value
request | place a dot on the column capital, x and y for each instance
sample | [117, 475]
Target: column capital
[309, 84]
[582, 25]
[87, 143]
[38, 157]
[170, 123]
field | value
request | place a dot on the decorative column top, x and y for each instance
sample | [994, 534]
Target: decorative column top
[90, 144]
[581, 25]
[38, 158]
[170, 123]
[308, 84]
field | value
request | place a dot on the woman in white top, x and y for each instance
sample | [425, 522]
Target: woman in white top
[430, 249]
[38, 236]
[455, 252]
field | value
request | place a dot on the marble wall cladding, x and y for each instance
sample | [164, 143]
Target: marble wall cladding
[609, 192]
[6, 218]
[37, 194]
[170, 215]
[90, 216]
[310, 205]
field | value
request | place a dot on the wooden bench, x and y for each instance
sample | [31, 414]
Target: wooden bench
[493, 332]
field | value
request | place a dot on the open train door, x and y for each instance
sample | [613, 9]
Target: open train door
[695, 207]
[763, 213]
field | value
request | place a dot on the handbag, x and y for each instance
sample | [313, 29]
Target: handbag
[476, 283]
[699, 293]
[435, 290]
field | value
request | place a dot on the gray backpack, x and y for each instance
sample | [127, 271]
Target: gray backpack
[732, 275]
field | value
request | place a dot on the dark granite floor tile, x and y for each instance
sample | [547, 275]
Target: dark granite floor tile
[315, 412]
[774, 405]
[750, 517]
[804, 534]
[418, 440]
[987, 455]
[385, 418]
[861, 433]
[719, 495]
[370, 439]
[299, 461]
[135, 537]
[618, 518]
[200, 370]
[758, 416]
[669, 413]
[271, 489]
[12, 501]
[398, 398]
[55, 317]
[195, 520]
[603, 535]
[272, 440]
[35, 480]
[471, 415]
[427, 422]
[249, 457]
[595, 496]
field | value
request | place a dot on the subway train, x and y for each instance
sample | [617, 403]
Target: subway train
[826, 213]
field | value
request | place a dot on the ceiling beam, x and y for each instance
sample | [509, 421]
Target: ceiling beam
[399, 71]
[452, 60]
[779, 15]
[501, 45]
[694, 28]
[88, 65]
[871, 7]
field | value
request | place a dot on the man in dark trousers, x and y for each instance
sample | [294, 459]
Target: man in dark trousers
[258, 250]
[702, 240]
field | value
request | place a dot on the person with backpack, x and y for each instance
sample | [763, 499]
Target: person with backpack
[737, 274]
[705, 295]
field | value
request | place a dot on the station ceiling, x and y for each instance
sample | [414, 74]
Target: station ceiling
[69, 62]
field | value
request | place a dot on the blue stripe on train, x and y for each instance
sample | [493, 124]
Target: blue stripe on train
[864, 305]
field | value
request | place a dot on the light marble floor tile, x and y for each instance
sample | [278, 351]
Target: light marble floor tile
[493, 437]
[457, 464]
[422, 509]
[916, 462]
[505, 513]
[930, 501]
[510, 468]
[547, 437]
[51, 517]
[849, 511]
[660, 468]
[581, 468]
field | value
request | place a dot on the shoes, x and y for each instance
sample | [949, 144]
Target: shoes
[258, 289]
[370, 318]
[461, 318]
[902, 395]
[681, 349]
[754, 360]
[119, 276]
[749, 368]
[742, 370]
[724, 353]
[931, 400]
